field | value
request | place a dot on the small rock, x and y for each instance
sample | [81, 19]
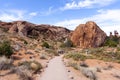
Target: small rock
[34, 66]
[19, 54]
[68, 70]
[30, 57]
[42, 70]
[71, 77]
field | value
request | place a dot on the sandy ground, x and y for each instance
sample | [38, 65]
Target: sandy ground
[106, 73]
[55, 70]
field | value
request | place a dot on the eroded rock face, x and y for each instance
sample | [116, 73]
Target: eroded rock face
[24, 28]
[88, 35]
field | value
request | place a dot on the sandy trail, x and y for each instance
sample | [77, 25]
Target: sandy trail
[55, 71]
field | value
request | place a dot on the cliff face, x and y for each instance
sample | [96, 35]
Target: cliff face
[27, 29]
[88, 35]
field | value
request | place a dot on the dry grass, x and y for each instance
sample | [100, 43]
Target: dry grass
[5, 63]
[24, 73]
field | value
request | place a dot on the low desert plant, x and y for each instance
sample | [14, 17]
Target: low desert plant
[43, 56]
[89, 72]
[77, 56]
[5, 63]
[32, 65]
[52, 52]
[24, 73]
[6, 49]
[73, 64]
[45, 44]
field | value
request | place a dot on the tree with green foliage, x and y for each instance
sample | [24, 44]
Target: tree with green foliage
[112, 42]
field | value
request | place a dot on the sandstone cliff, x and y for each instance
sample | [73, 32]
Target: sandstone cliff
[88, 35]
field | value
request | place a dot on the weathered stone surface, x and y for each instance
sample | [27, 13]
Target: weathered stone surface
[24, 28]
[88, 35]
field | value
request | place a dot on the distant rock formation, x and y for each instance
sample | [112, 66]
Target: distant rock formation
[24, 28]
[88, 35]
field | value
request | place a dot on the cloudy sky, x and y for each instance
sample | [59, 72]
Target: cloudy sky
[67, 13]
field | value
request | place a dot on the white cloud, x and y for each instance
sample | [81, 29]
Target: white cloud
[48, 12]
[33, 14]
[108, 20]
[11, 15]
[86, 4]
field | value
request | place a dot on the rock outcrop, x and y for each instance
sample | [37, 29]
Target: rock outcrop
[88, 35]
[24, 28]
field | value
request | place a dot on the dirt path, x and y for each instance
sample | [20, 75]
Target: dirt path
[55, 71]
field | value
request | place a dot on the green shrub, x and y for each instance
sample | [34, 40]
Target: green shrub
[45, 44]
[6, 49]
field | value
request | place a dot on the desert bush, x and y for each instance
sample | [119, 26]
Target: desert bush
[89, 72]
[74, 65]
[24, 73]
[32, 65]
[52, 52]
[45, 44]
[6, 49]
[5, 63]
[43, 56]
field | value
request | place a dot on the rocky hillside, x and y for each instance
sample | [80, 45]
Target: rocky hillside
[24, 28]
[88, 35]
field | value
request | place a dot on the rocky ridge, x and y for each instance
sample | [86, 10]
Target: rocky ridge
[24, 28]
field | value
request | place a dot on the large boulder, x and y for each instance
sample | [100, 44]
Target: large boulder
[88, 35]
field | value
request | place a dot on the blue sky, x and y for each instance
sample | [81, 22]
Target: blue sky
[67, 13]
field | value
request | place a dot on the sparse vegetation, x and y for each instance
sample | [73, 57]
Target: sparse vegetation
[102, 54]
[24, 73]
[77, 56]
[46, 45]
[52, 52]
[5, 63]
[74, 65]
[6, 49]
[89, 73]
[112, 42]
[43, 56]
[32, 65]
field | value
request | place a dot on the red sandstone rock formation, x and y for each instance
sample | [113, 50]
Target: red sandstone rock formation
[88, 35]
